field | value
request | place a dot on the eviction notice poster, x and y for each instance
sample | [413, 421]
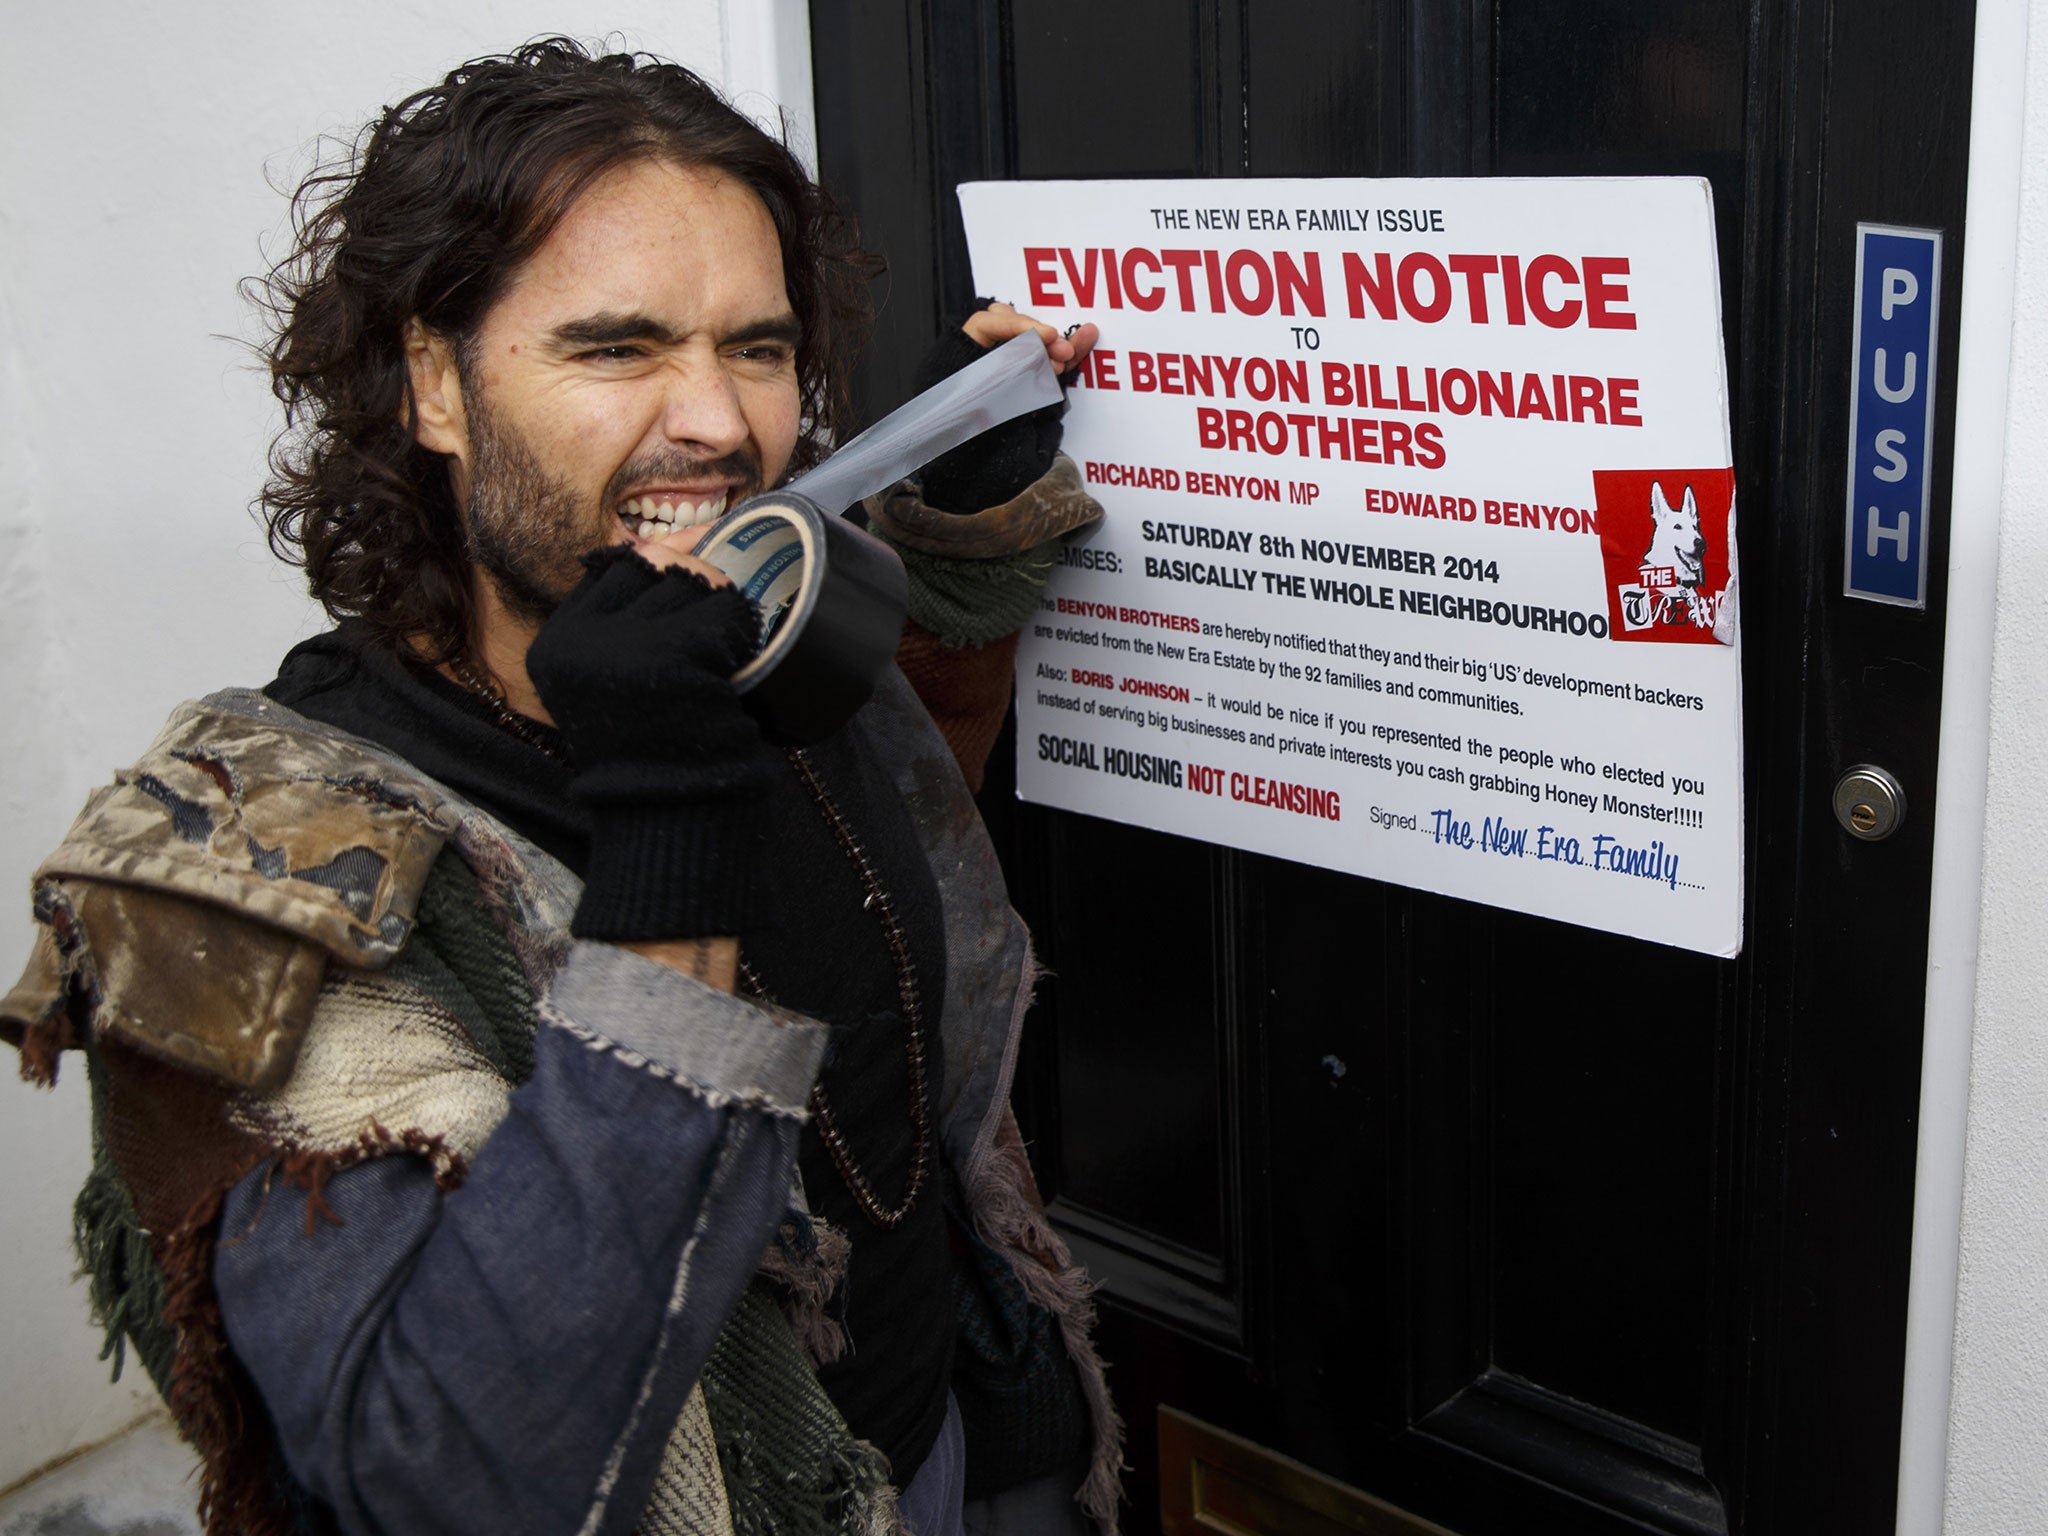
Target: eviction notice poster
[1419, 553]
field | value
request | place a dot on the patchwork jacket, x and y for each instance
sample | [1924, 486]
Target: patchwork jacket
[235, 921]
[255, 937]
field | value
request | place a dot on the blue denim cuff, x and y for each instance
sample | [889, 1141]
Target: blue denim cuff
[725, 1049]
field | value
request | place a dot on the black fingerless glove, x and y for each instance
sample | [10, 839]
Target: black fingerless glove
[988, 470]
[636, 669]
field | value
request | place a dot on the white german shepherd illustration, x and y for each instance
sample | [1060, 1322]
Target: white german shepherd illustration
[1676, 542]
[1678, 546]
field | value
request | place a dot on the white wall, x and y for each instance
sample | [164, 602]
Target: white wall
[137, 142]
[1997, 1473]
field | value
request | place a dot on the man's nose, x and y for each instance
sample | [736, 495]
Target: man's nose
[702, 410]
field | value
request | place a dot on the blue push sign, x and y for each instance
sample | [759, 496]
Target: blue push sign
[1891, 414]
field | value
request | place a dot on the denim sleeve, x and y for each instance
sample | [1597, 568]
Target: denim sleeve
[511, 1356]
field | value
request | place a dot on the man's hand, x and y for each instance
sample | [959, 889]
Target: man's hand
[678, 551]
[989, 470]
[636, 669]
[995, 325]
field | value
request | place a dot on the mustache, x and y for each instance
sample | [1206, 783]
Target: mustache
[742, 465]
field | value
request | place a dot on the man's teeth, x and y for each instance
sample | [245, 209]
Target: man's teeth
[655, 517]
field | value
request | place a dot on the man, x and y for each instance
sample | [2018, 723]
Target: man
[526, 1098]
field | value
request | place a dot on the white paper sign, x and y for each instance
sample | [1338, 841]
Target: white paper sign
[1419, 558]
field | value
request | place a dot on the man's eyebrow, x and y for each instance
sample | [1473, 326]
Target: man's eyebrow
[609, 330]
[605, 330]
[783, 328]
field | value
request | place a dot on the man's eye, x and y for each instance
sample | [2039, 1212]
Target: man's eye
[765, 352]
[619, 353]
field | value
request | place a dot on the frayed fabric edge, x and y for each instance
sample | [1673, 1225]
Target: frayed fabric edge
[882, 1515]
[43, 1045]
[205, 1396]
[756, 1099]
[807, 1282]
[46, 1038]
[1006, 1219]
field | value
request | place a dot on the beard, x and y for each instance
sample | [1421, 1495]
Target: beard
[526, 531]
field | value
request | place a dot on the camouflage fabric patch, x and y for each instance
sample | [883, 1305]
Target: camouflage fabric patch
[306, 832]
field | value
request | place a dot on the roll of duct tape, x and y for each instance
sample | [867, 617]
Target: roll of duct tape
[832, 599]
[832, 596]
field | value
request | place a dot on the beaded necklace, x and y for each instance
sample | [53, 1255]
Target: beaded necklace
[888, 1217]
[877, 901]
[528, 730]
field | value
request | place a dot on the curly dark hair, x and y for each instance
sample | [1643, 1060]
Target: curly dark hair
[427, 214]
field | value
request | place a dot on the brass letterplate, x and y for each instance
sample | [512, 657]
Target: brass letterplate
[1212, 1483]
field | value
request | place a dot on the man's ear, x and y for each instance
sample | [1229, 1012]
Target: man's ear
[439, 422]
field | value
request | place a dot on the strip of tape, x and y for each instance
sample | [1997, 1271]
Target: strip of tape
[1012, 379]
[832, 596]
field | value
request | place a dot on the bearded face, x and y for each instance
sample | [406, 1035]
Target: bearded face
[528, 526]
[635, 379]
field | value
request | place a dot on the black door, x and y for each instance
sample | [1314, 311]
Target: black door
[1515, 1227]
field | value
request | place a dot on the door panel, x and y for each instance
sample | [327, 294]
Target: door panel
[1080, 51]
[1148, 1171]
[1515, 1227]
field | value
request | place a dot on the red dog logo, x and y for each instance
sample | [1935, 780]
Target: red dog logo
[1664, 541]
